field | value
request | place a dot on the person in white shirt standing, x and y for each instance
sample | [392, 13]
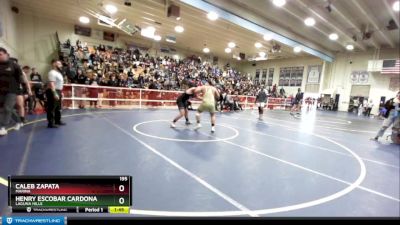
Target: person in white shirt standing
[364, 107]
[54, 95]
[370, 105]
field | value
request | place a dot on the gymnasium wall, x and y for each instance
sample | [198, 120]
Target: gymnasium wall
[336, 75]
[247, 67]
[8, 28]
[37, 42]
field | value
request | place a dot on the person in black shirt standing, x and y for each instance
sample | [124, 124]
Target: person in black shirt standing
[80, 77]
[10, 78]
[70, 71]
[80, 91]
[37, 89]
[297, 103]
[261, 99]
[113, 82]
[282, 92]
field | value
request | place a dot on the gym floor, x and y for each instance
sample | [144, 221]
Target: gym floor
[322, 164]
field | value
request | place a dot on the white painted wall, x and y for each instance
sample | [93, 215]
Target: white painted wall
[8, 22]
[247, 67]
[336, 75]
[37, 44]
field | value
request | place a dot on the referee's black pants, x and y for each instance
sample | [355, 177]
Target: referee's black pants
[53, 107]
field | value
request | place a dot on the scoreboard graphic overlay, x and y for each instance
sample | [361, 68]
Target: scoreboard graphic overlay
[70, 194]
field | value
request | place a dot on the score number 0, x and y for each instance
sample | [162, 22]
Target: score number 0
[121, 188]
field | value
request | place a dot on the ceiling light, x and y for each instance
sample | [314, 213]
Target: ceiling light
[179, 29]
[262, 54]
[309, 22]
[157, 38]
[206, 50]
[297, 49]
[279, 3]
[111, 9]
[396, 6]
[258, 45]
[148, 32]
[268, 37]
[238, 58]
[212, 16]
[178, 18]
[333, 36]
[231, 44]
[349, 47]
[228, 50]
[151, 29]
[84, 19]
[259, 59]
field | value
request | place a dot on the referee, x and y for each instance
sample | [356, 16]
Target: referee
[261, 100]
[54, 95]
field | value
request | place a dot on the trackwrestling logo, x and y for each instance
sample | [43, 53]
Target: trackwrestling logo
[34, 220]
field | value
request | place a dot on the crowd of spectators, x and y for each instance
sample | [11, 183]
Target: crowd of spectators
[101, 65]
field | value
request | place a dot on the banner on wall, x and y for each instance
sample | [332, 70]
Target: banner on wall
[299, 77]
[84, 31]
[359, 77]
[108, 36]
[363, 79]
[215, 60]
[97, 34]
[314, 74]
[287, 78]
[354, 77]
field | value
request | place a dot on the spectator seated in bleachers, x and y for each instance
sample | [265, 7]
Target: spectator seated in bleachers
[136, 69]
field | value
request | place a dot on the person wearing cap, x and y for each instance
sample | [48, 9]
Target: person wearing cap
[10, 79]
